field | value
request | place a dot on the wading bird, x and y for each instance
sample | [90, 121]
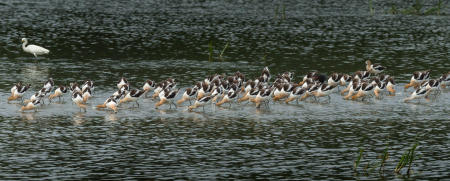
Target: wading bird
[33, 49]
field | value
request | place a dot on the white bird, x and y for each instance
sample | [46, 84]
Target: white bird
[33, 49]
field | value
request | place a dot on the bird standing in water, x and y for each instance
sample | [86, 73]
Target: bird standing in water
[33, 49]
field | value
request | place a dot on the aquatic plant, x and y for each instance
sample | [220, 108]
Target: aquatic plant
[370, 167]
[264, 58]
[407, 158]
[434, 10]
[358, 159]
[417, 9]
[223, 51]
[371, 9]
[393, 10]
[211, 51]
[280, 14]
[384, 157]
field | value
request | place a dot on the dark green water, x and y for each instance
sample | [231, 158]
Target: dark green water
[103, 40]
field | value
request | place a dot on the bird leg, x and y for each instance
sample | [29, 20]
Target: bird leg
[174, 104]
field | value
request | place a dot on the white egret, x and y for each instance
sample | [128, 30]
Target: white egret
[33, 49]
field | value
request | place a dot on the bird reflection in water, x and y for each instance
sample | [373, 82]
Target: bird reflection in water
[34, 73]
[262, 111]
[27, 116]
[199, 117]
[162, 114]
[111, 117]
[79, 118]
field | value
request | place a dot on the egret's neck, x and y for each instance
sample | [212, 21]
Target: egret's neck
[24, 44]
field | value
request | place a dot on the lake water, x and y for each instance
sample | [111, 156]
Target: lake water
[104, 40]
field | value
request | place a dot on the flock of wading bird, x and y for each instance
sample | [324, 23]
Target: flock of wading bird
[220, 89]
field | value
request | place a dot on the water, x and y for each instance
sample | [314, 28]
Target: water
[103, 40]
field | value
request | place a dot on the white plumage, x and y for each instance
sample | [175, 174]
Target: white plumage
[33, 49]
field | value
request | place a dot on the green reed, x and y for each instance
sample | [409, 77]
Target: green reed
[358, 159]
[371, 9]
[418, 9]
[211, 50]
[434, 10]
[223, 51]
[384, 157]
[280, 13]
[407, 158]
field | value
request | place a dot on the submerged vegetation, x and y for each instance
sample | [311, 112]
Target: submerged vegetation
[405, 160]
[384, 158]
[223, 51]
[211, 51]
[372, 10]
[418, 8]
[358, 159]
[280, 12]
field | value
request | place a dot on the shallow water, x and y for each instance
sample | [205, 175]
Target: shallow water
[103, 40]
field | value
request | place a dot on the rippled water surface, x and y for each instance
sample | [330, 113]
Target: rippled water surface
[103, 40]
